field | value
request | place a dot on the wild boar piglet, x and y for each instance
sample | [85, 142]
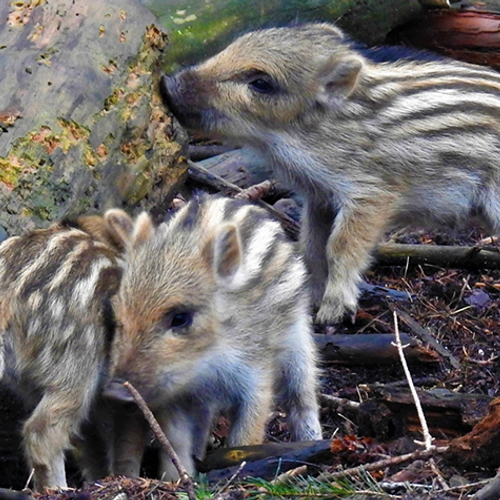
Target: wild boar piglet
[368, 144]
[213, 316]
[56, 324]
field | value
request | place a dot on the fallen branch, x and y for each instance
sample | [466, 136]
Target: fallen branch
[463, 257]
[6, 494]
[162, 439]
[199, 152]
[382, 464]
[203, 176]
[425, 336]
[263, 460]
[256, 192]
[335, 403]
[481, 446]
[364, 348]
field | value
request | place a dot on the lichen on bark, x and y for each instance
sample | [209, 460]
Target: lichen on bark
[82, 128]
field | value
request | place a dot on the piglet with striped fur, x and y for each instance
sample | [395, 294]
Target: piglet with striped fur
[213, 315]
[56, 325]
[368, 144]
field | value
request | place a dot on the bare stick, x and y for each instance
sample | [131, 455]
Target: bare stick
[424, 335]
[162, 439]
[464, 257]
[335, 403]
[30, 477]
[418, 405]
[255, 192]
[382, 464]
[230, 481]
[199, 174]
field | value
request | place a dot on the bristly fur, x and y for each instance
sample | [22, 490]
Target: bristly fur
[56, 326]
[370, 144]
[213, 316]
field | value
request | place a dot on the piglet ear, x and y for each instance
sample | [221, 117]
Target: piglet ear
[120, 224]
[128, 231]
[227, 256]
[339, 78]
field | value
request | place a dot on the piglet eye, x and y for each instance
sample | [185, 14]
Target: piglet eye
[261, 85]
[181, 319]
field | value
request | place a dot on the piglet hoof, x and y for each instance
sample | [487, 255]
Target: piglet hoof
[334, 314]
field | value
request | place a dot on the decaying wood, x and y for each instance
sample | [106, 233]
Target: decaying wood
[396, 254]
[490, 492]
[263, 460]
[368, 349]
[163, 440]
[481, 446]
[201, 175]
[425, 336]
[470, 35]
[447, 412]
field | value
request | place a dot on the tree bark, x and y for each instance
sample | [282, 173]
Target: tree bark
[82, 127]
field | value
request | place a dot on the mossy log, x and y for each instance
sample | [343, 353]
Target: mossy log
[82, 127]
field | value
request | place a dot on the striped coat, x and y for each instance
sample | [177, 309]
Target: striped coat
[213, 315]
[56, 324]
[369, 144]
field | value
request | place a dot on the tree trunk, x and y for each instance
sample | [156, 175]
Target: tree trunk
[82, 127]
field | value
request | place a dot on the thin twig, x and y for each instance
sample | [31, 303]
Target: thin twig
[230, 481]
[256, 192]
[30, 477]
[418, 405]
[289, 474]
[386, 462]
[200, 174]
[335, 403]
[162, 439]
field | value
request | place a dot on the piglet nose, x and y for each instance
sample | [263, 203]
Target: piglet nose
[116, 391]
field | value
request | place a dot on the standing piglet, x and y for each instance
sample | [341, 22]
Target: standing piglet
[55, 327]
[368, 145]
[212, 315]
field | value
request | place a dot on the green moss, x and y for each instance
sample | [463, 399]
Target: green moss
[9, 171]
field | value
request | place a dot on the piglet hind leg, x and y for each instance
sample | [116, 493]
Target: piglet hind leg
[357, 229]
[47, 436]
[297, 380]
